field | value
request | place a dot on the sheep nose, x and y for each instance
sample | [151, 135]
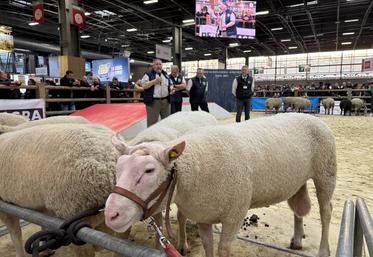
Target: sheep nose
[112, 215]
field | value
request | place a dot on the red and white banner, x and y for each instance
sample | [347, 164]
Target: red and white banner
[78, 17]
[38, 11]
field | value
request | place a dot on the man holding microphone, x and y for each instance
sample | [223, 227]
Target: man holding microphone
[156, 84]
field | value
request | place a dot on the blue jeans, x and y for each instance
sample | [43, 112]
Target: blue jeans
[68, 107]
[243, 104]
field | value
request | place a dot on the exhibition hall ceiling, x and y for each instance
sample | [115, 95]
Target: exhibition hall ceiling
[282, 27]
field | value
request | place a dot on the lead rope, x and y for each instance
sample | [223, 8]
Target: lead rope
[169, 249]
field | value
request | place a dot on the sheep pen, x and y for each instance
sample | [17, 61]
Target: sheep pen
[355, 178]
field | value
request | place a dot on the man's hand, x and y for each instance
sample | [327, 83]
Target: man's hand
[158, 80]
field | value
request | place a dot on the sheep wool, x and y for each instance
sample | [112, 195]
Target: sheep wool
[9, 119]
[174, 126]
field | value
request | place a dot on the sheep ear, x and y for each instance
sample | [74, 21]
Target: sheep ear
[174, 152]
[120, 144]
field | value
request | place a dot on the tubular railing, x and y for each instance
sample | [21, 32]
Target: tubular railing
[88, 235]
[356, 224]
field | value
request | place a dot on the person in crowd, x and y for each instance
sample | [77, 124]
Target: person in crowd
[242, 89]
[197, 88]
[68, 81]
[177, 87]
[227, 22]
[115, 84]
[203, 16]
[31, 93]
[156, 84]
[5, 94]
[90, 78]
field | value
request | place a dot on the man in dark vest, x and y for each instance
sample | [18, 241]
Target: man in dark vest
[243, 89]
[197, 88]
[156, 84]
[178, 84]
[227, 23]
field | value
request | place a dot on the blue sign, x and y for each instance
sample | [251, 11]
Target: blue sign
[106, 69]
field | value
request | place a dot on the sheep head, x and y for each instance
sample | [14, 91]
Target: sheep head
[141, 170]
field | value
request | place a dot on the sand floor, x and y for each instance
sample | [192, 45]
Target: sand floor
[354, 137]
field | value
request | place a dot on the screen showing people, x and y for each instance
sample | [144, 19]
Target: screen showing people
[225, 18]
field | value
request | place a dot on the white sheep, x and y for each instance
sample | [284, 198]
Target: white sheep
[10, 119]
[51, 120]
[328, 104]
[273, 103]
[174, 126]
[65, 168]
[300, 104]
[60, 168]
[357, 104]
[225, 170]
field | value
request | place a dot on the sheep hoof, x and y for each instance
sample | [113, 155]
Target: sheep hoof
[294, 246]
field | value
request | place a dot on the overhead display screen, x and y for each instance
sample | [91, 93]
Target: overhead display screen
[225, 18]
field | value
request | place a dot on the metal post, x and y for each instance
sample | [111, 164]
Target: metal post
[88, 235]
[346, 240]
[366, 223]
[108, 94]
[69, 35]
[177, 46]
[358, 236]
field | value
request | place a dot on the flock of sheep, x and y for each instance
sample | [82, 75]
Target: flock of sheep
[300, 104]
[69, 165]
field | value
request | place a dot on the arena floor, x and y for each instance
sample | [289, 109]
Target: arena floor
[354, 137]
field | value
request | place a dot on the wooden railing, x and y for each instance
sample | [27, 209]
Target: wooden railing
[44, 92]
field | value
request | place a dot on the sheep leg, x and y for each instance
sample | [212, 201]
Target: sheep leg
[324, 191]
[14, 228]
[205, 232]
[300, 204]
[182, 239]
[228, 234]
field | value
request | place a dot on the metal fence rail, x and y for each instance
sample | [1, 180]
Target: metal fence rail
[88, 235]
[356, 224]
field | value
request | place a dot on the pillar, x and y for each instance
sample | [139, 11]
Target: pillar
[177, 45]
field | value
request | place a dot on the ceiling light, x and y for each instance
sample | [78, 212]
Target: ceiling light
[233, 44]
[150, 1]
[348, 33]
[207, 54]
[131, 30]
[150, 52]
[247, 51]
[353, 20]
[293, 47]
[85, 36]
[302, 4]
[125, 45]
[346, 43]
[33, 23]
[296, 5]
[286, 40]
[132, 60]
[87, 13]
[166, 41]
[188, 48]
[262, 13]
[188, 21]
[274, 29]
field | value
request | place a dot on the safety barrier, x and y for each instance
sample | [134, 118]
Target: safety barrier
[43, 91]
[88, 235]
[356, 224]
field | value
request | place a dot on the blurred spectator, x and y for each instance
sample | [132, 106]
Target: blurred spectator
[68, 81]
[31, 93]
[116, 85]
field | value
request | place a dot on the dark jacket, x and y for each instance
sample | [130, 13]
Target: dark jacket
[178, 96]
[149, 93]
[231, 31]
[66, 82]
[197, 93]
[244, 90]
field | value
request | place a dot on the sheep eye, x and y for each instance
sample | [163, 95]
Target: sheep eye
[149, 171]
